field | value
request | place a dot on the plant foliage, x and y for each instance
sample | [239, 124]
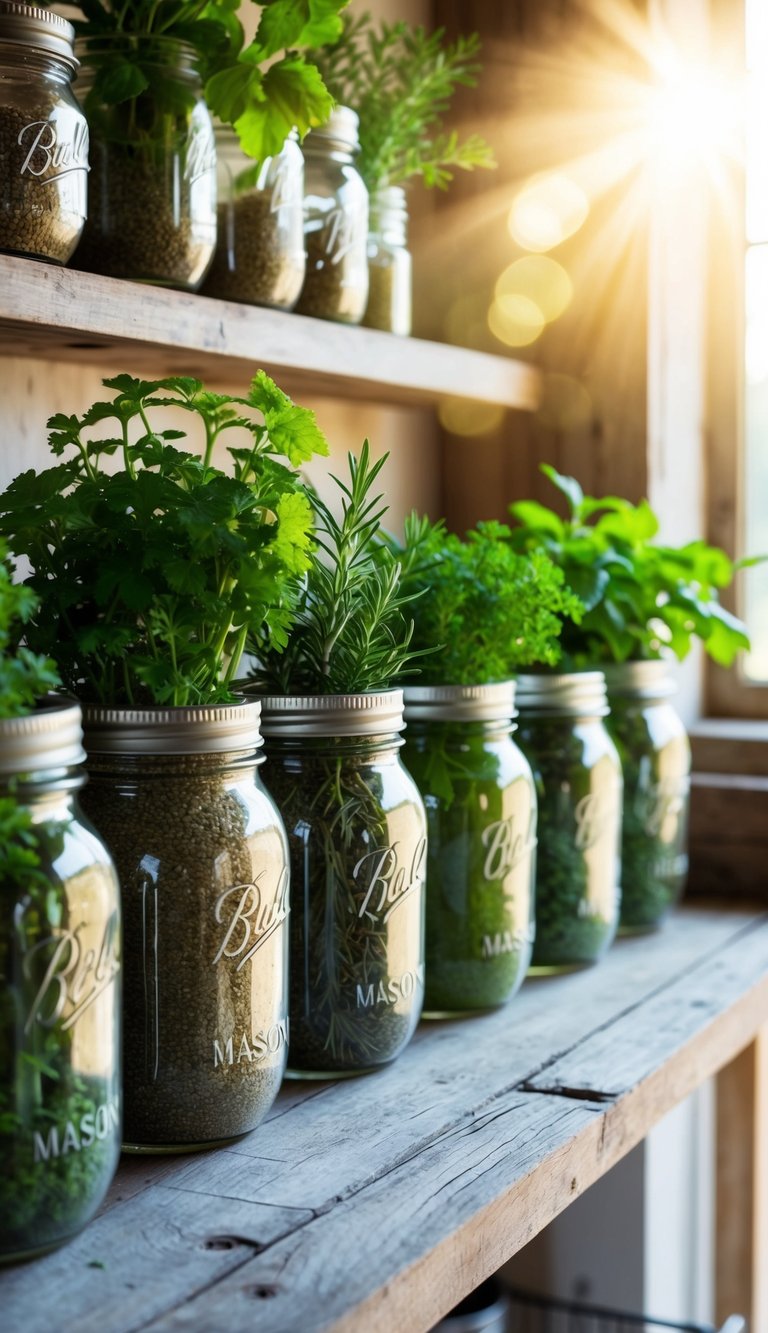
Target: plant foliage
[400, 80]
[24, 676]
[641, 598]
[152, 577]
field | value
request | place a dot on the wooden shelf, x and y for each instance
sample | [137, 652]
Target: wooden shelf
[62, 315]
[375, 1204]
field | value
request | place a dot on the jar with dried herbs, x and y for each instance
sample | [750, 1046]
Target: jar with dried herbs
[389, 263]
[43, 136]
[357, 837]
[201, 854]
[335, 223]
[577, 772]
[481, 836]
[60, 997]
[259, 257]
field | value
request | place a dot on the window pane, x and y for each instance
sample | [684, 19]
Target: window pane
[756, 457]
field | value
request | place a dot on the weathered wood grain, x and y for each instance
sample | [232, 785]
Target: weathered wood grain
[741, 1196]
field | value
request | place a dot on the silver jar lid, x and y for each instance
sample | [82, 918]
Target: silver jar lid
[26, 25]
[212, 729]
[340, 128]
[460, 703]
[332, 714]
[640, 680]
[45, 741]
[569, 694]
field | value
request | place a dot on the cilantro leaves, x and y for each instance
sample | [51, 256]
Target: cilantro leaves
[24, 676]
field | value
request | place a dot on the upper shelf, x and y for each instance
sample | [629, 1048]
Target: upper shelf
[61, 314]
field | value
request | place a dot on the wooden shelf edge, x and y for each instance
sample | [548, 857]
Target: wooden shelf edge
[63, 315]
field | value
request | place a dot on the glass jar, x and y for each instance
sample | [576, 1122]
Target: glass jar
[481, 835]
[152, 187]
[201, 855]
[389, 263]
[576, 768]
[259, 256]
[357, 837]
[656, 759]
[60, 995]
[335, 223]
[43, 136]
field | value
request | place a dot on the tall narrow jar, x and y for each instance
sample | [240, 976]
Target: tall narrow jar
[389, 263]
[60, 994]
[357, 836]
[656, 759]
[481, 836]
[578, 779]
[335, 223]
[201, 854]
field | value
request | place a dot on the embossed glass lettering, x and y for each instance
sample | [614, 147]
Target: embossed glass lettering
[74, 976]
[250, 915]
[47, 156]
[386, 881]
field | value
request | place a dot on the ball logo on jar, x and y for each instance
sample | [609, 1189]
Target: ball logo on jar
[342, 230]
[200, 157]
[506, 846]
[595, 816]
[286, 189]
[387, 881]
[74, 976]
[47, 156]
[250, 914]
[656, 803]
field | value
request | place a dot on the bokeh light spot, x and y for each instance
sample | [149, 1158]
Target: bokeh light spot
[542, 280]
[515, 320]
[547, 211]
[463, 418]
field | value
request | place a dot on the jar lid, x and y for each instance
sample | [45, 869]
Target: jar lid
[26, 25]
[204, 729]
[640, 680]
[341, 126]
[570, 694]
[332, 714]
[51, 738]
[461, 703]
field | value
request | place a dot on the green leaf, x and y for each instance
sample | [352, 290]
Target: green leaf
[567, 486]
[293, 430]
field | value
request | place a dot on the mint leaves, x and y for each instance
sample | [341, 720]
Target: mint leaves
[24, 676]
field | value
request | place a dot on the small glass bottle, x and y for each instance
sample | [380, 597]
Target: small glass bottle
[43, 136]
[481, 836]
[357, 837]
[389, 263]
[152, 186]
[259, 256]
[201, 854]
[562, 733]
[656, 758]
[335, 223]
[60, 1000]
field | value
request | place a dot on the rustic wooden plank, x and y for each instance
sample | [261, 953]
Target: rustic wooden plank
[729, 745]
[61, 314]
[741, 1212]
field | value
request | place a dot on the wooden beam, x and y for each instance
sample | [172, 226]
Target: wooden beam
[741, 1220]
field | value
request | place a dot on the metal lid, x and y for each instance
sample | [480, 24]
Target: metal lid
[340, 128]
[26, 25]
[332, 714]
[50, 738]
[460, 703]
[571, 694]
[213, 729]
[640, 680]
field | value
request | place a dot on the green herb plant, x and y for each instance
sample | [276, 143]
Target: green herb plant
[151, 578]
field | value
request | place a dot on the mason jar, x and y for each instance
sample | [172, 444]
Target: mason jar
[656, 758]
[335, 222]
[152, 187]
[60, 999]
[389, 263]
[481, 837]
[201, 854]
[577, 772]
[43, 136]
[259, 257]
[357, 837]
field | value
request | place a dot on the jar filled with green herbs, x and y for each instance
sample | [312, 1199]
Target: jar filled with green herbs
[335, 223]
[60, 1109]
[201, 854]
[656, 758]
[577, 771]
[259, 257]
[481, 826]
[357, 838]
[389, 263]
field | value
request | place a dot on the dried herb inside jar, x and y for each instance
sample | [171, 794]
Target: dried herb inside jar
[41, 214]
[251, 263]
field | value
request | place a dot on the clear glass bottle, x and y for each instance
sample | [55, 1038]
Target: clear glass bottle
[656, 758]
[335, 223]
[60, 995]
[152, 185]
[357, 837]
[259, 256]
[43, 136]
[562, 732]
[481, 837]
[201, 854]
[389, 263]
